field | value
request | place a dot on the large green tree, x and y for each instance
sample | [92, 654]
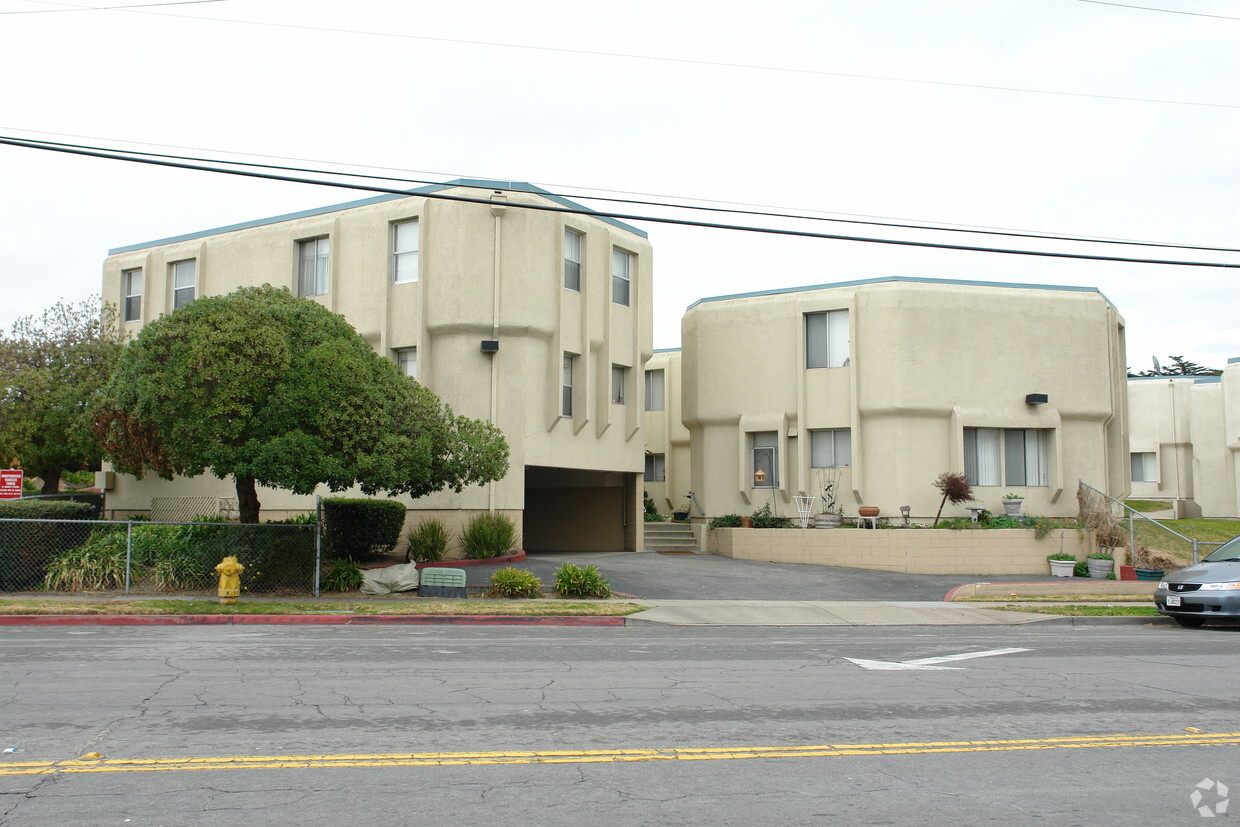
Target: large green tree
[52, 368]
[276, 390]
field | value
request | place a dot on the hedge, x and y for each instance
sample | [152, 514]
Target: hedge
[25, 548]
[361, 528]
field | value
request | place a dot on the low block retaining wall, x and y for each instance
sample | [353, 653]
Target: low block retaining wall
[913, 551]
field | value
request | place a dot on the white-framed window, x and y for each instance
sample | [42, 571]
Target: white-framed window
[765, 458]
[654, 390]
[131, 294]
[1144, 466]
[619, 384]
[573, 243]
[826, 339]
[407, 360]
[405, 243]
[830, 448]
[312, 257]
[184, 281]
[621, 276]
[1006, 456]
[566, 386]
[656, 468]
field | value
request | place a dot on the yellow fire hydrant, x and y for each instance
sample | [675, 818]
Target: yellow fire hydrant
[230, 580]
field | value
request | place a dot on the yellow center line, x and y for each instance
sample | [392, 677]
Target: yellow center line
[445, 759]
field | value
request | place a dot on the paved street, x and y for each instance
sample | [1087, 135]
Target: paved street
[398, 725]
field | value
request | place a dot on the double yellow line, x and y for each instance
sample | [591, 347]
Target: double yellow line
[448, 759]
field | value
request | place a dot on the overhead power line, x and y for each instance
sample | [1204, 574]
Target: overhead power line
[48, 147]
[682, 202]
[733, 210]
[1164, 11]
[106, 8]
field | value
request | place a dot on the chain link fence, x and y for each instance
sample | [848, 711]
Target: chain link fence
[149, 557]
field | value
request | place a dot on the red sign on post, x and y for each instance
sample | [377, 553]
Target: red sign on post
[10, 483]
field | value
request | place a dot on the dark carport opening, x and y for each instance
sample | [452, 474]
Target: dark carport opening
[575, 510]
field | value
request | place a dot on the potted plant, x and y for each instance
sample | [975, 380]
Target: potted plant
[1100, 564]
[1062, 563]
[1012, 504]
[682, 515]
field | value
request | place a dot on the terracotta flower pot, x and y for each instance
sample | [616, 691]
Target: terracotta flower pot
[868, 511]
[746, 522]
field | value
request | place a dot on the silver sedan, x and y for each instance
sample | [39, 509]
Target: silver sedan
[1208, 591]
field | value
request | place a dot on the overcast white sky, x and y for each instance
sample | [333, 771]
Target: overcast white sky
[1078, 161]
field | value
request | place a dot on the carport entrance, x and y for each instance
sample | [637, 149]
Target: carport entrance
[572, 510]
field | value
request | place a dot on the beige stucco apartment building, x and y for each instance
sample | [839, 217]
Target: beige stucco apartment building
[878, 386]
[1185, 436]
[536, 320]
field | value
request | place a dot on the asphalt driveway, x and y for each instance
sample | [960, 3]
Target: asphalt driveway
[711, 577]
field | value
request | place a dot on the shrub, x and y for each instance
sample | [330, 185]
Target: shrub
[510, 582]
[1061, 555]
[487, 536]
[27, 548]
[763, 518]
[343, 574]
[1081, 569]
[361, 528]
[574, 581]
[654, 517]
[428, 542]
[46, 509]
[97, 564]
[297, 519]
[726, 521]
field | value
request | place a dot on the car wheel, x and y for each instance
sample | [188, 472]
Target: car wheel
[1191, 622]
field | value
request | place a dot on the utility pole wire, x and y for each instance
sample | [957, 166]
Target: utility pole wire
[600, 214]
[698, 208]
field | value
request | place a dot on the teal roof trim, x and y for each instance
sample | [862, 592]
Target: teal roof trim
[514, 186]
[1208, 380]
[667, 350]
[1233, 359]
[908, 279]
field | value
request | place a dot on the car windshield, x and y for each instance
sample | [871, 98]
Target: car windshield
[1228, 553]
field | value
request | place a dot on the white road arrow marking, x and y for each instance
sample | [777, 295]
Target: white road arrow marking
[928, 664]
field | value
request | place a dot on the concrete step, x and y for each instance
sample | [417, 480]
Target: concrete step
[676, 537]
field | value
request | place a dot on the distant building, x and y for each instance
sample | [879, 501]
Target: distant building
[1184, 441]
[876, 387]
[537, 321]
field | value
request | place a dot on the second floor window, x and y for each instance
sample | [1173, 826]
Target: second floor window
[572, 260]
[405, 262]
[619, 384]
[654, 390]
[826, 339]
[184, 282]
[131, 290]
[312, 266]
[621, 281]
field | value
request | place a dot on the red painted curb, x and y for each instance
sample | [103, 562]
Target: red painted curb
[493, 561]
[303, 620]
